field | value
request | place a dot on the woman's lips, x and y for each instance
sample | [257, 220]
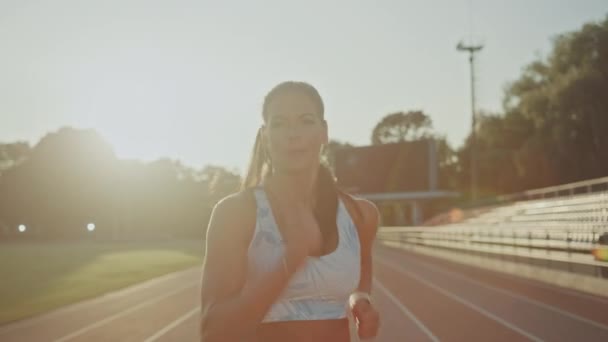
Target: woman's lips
[295, 150]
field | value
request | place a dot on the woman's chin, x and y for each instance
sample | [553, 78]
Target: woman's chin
[297, 165]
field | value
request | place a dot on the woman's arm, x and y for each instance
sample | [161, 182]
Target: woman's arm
[366, 217]
[228, 313]
[367, 235]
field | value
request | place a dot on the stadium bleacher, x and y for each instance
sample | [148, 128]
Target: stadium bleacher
[569, 231]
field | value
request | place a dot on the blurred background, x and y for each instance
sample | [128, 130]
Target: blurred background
[127, 114]
[122, 123]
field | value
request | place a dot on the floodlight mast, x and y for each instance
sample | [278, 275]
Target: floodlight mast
[472, 49]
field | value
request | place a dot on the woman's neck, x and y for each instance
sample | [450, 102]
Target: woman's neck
[299, 185]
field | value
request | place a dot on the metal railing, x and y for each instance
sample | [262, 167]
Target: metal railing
[569, 189]
[553, 248]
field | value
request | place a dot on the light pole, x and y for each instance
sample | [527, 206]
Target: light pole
[472, 49]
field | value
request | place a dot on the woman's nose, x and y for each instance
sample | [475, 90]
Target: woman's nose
[294, 131]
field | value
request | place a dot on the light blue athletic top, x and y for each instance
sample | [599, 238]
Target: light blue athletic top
[320, 289]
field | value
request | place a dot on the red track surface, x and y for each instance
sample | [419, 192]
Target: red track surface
[420, 299]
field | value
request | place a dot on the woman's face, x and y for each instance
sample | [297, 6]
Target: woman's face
[294, 132]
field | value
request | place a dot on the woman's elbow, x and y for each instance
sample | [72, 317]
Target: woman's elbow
[214, 328]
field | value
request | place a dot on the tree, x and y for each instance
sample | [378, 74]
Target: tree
[415, 126]
[13, 154]
[402, 126]
[447, 159]
[553, 129]
[72, 177]
[498, 139]
[329, 153]
[66, 180]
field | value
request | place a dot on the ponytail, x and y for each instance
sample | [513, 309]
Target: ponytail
[326, 198]
[327, 195]
[259, 165]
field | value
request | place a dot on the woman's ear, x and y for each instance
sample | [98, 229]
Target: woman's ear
[325, 134]
[323, 155]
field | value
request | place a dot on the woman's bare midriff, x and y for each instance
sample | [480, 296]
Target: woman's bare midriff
[336, 330]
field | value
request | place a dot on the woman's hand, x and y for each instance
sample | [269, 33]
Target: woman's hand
[366, 318]
[299, 229]
[303, 237]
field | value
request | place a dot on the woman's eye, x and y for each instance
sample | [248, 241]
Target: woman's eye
[277, 124]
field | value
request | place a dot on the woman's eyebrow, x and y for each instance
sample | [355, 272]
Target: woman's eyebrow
[305, 115]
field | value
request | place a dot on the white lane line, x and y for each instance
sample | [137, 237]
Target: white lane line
[460, 300]
[554, 288]
[86, 304]
[173, 324]
[405, 310]
[124, 313]
[533, 282]
[513, 295]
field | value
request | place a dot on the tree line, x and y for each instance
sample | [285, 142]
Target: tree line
[72, 178]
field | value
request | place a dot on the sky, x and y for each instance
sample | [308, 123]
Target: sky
[186, 79]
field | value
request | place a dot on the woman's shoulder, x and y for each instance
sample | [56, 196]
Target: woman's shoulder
[241, 200]
[364, 211]
[234, 215]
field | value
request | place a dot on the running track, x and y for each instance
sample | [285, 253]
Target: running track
[420, 299]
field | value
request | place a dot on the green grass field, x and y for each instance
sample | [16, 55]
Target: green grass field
[37, 277]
